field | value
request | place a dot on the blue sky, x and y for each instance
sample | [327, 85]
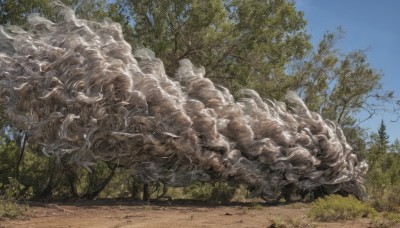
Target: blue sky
[372, 25]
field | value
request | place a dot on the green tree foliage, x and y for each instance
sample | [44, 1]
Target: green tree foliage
[383, 137]
[339, 86]
[383, 181]
[240, 43]
[17, 12]
[378, 154]
[395, 147]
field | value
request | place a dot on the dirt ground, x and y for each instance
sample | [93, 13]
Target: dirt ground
[117, 213]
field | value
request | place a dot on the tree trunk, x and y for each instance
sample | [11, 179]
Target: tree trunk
[21, 155]
[93, 194]
[146, 194]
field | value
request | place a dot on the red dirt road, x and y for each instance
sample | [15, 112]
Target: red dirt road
[163, 214]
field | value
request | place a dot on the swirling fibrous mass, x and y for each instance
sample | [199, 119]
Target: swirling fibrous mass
[78, 90]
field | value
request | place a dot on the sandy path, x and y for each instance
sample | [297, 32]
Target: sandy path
[162, 214]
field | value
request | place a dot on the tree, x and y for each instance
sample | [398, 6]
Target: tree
[395, 147]
[383, 146]
[240, 43]
[383, 137]
[339, 86]
[314, 74]
[383, 182]
[17, 12]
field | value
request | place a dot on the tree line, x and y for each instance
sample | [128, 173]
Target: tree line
[257, 44]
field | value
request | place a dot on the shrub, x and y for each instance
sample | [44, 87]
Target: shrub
[222, 192]
[217, 192]
[335, 207]
[385, 198]
[13, 191]
[257, 206]
[387, 220]
[241, 194]
[11, 209]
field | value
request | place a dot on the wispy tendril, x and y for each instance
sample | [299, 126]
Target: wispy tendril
[78, 90]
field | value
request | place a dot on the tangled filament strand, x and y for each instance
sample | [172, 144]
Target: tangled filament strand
[78, 90]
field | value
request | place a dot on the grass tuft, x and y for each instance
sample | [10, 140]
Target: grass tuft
[302, 222]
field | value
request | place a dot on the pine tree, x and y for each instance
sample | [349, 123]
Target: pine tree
[383, 138]
[383, 145]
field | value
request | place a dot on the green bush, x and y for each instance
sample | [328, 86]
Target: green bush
[123, 184]
[9, 194]
[382, 192]
[335, 207]
[15, 191]
[387, 220]
[11, 209]
[222, 192]
[217, 192]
